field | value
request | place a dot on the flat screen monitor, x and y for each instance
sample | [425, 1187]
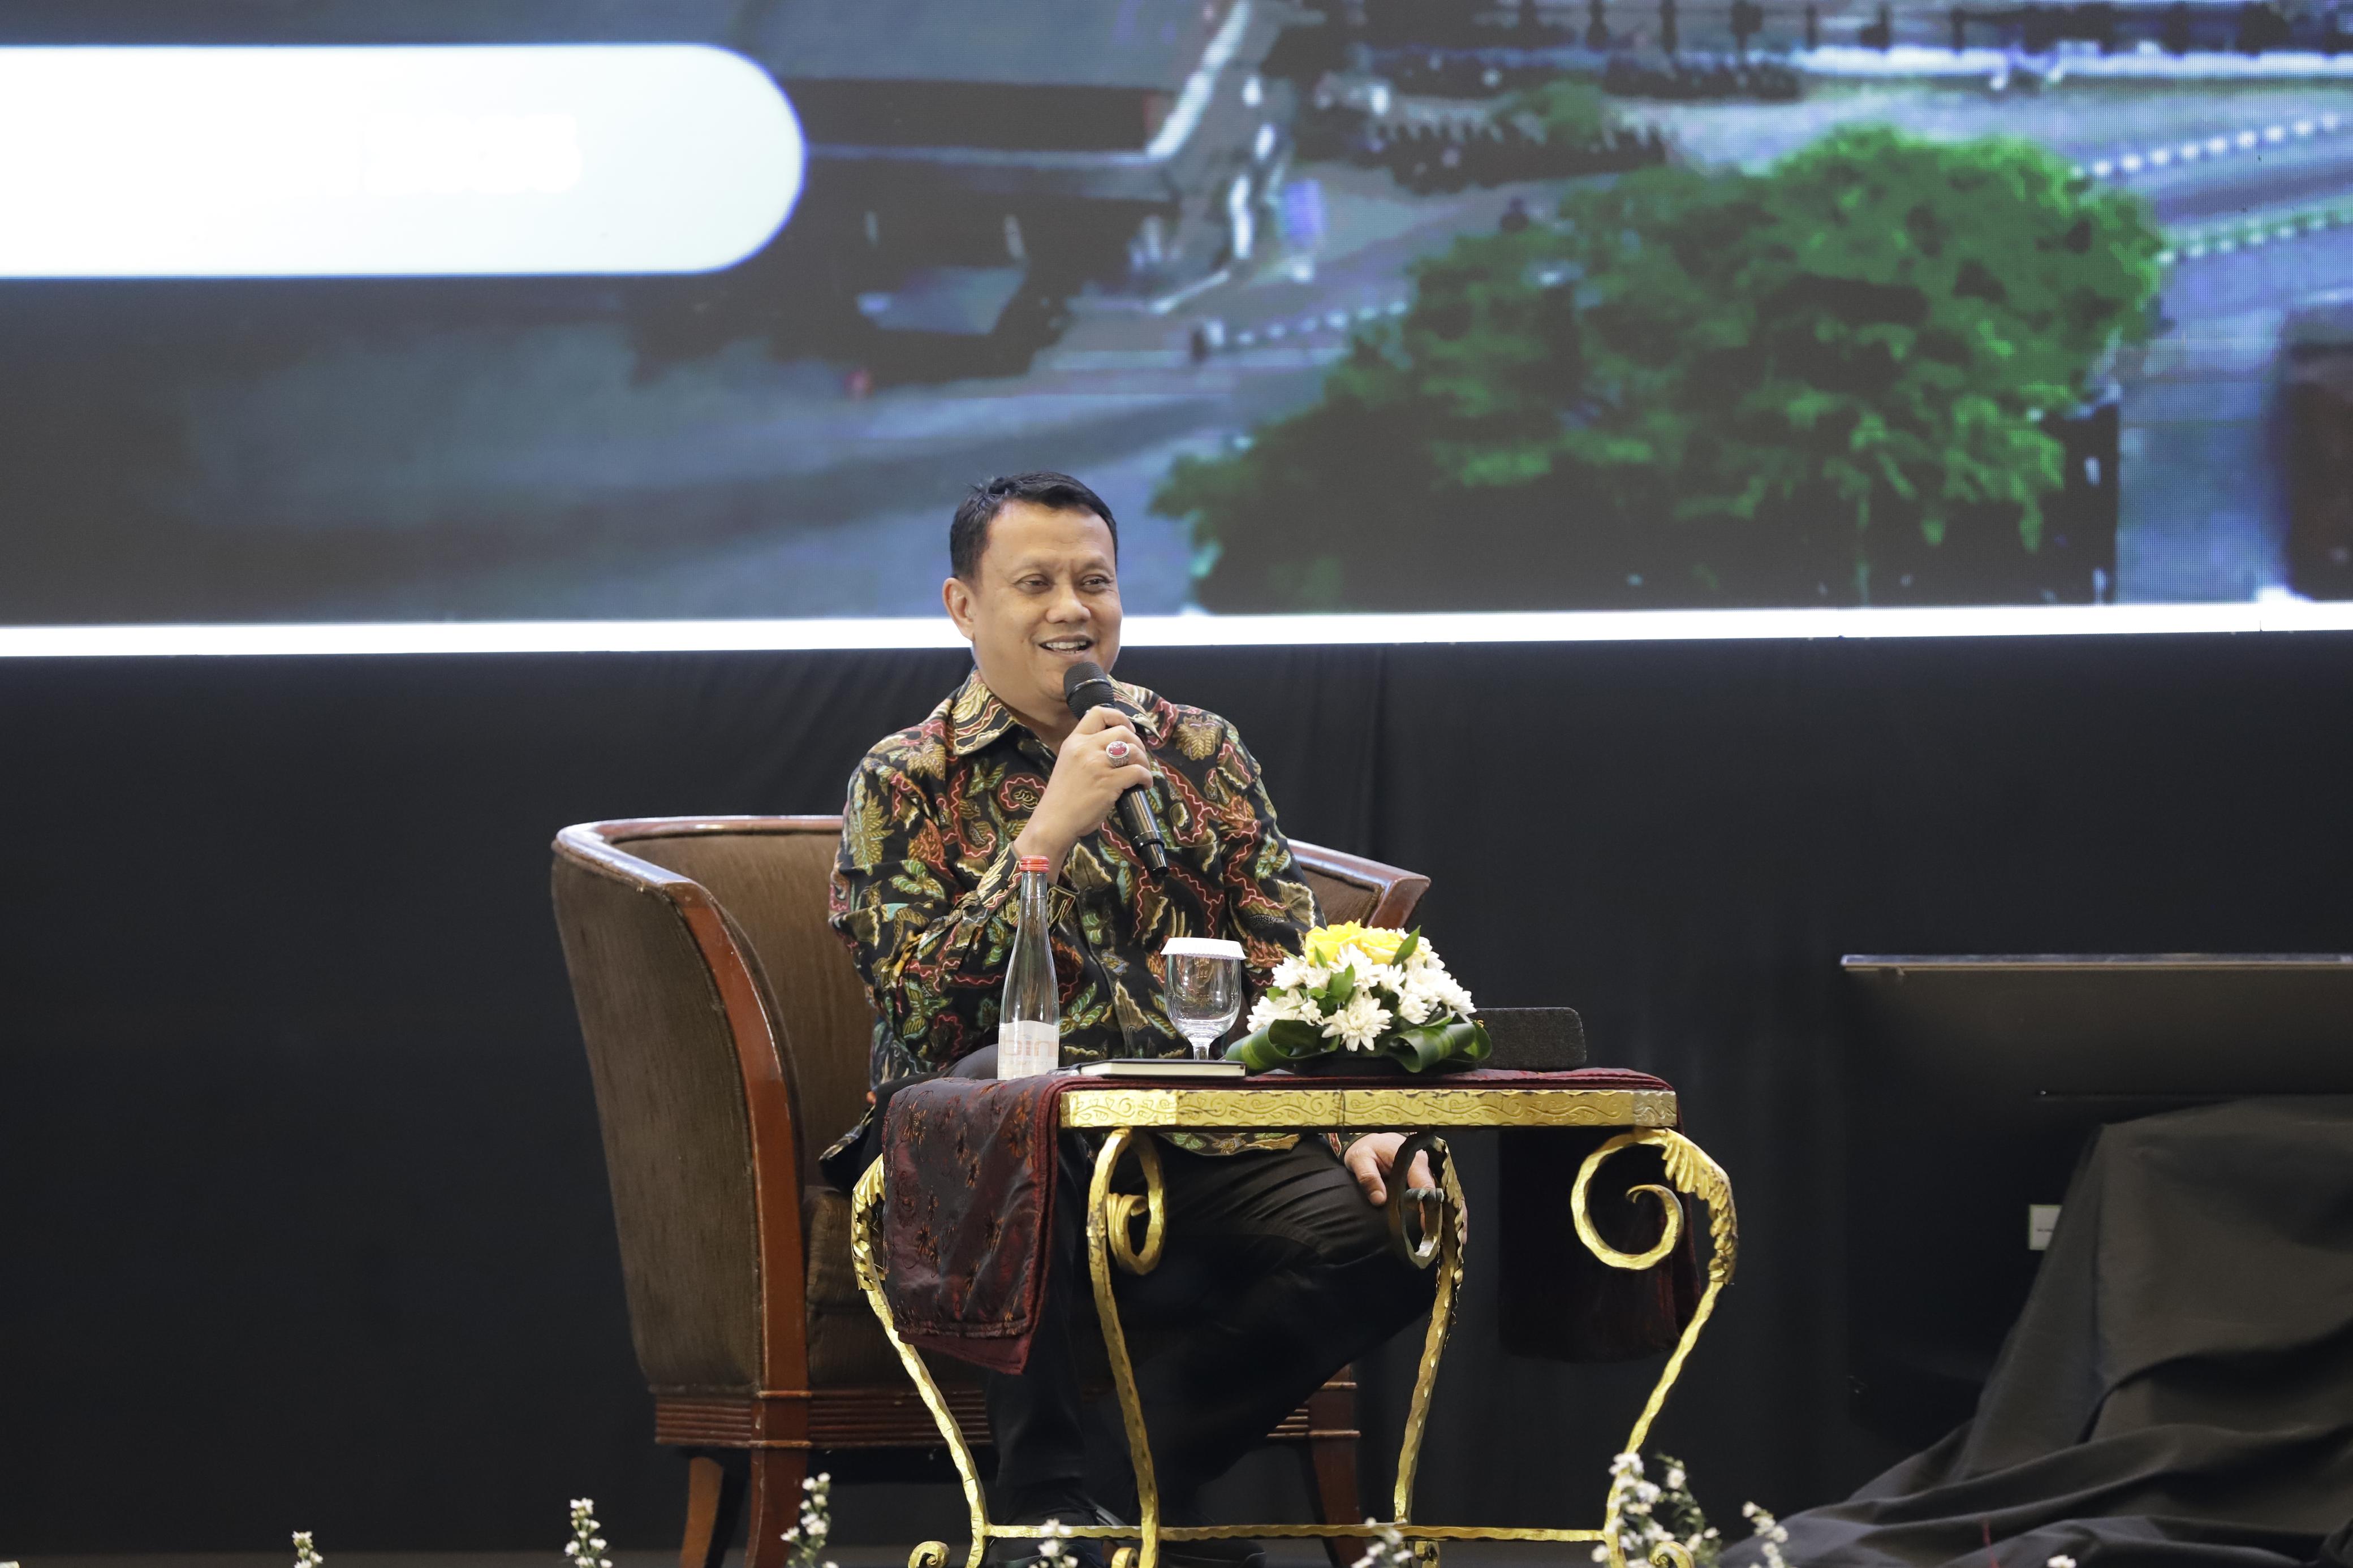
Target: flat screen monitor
[1977, 1082]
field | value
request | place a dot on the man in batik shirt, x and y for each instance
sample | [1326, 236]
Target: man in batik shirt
[1277, 1270]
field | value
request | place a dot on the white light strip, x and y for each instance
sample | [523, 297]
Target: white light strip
[390, 160]
[1201, 86]
[1172, 631]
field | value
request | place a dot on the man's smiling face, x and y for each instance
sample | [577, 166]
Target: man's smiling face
[1046, 598]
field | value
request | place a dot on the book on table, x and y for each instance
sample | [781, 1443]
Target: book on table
[1161, 1066]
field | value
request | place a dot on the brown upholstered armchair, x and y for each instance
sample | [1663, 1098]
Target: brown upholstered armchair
[728, 1037]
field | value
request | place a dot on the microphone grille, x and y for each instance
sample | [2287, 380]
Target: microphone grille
[1085, 686]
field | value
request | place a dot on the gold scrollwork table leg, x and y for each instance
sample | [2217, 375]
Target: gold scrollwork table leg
[1447, 1247]
[866, 1262]
[1694, 1175]
[1110, 1238]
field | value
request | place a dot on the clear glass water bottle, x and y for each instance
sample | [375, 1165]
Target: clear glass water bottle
[1030, 1022]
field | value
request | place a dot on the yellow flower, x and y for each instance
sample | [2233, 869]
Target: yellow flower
[1325, 944]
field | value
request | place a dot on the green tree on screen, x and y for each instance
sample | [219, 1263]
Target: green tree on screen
[1566, 110]
[1808, 386]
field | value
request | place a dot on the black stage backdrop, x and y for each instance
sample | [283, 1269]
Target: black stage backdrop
[302, 1215]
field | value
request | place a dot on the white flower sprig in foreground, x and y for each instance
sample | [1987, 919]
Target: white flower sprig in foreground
[1365, 991]
[806, 1540]
[1387, 1549]
[1055, 1545]
[1770, 1530]
[587, 1547]
[1655, 1512]
[305, 1554]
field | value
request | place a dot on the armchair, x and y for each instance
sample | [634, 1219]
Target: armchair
[728, 1037]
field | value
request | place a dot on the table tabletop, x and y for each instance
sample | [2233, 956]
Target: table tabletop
[1305, 1103]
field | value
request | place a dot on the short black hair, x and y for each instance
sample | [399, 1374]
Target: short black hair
[968, 534]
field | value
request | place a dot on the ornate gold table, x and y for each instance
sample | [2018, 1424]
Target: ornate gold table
[1122, 1110]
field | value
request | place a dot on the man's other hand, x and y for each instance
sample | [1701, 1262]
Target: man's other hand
[1369, 1158]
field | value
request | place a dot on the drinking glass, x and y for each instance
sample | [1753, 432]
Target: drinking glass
[1203, 978]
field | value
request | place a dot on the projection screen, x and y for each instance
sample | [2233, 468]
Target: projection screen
[426, 324]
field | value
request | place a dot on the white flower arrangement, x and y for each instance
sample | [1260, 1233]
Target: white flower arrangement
[806, 1540]
[1363, 990]
[587, 1547]
[306, 1555]
[1656, 1512]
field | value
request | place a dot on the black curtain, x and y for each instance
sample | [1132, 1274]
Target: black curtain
[302, 1215]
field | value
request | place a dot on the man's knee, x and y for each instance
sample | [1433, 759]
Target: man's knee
[1345, 1226]
[1365, 1265]
[1348, 1243]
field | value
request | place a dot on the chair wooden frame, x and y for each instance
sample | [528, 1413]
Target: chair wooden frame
[778, 1426]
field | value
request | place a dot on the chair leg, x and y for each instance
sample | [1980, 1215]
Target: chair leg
[1327, 1461]
[714, 1498]
[773, 1504]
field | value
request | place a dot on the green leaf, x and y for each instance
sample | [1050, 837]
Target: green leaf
[1420, 1048]
[1408, 947]
[1280, 1043]
[1424, 1046]
[1336, 991]
[1297, 1037]
[1256, 1052]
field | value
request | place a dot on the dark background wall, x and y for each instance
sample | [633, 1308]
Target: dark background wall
[302, 1217]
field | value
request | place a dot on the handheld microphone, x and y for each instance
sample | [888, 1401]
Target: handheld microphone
[1085, 687]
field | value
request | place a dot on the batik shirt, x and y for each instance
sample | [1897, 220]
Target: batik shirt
[926, 894]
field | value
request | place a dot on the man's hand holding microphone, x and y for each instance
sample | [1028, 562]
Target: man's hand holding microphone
[1101, 768]
[1103, 758]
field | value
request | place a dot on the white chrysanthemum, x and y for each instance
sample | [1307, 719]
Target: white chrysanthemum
[1450, 993]
[1294, 972]
[1423, 997]
[1358, 1023]
[1278, 1004]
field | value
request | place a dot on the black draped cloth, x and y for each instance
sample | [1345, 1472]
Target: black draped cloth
[2179, 1387]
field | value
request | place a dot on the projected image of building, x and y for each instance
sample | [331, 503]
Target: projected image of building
[974, 166]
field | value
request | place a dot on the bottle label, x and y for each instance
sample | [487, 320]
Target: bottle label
[1026, 1047]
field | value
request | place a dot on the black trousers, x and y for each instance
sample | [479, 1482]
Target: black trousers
[1276, 1274]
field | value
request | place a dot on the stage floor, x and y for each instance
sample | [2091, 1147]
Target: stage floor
[1459, 1554]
